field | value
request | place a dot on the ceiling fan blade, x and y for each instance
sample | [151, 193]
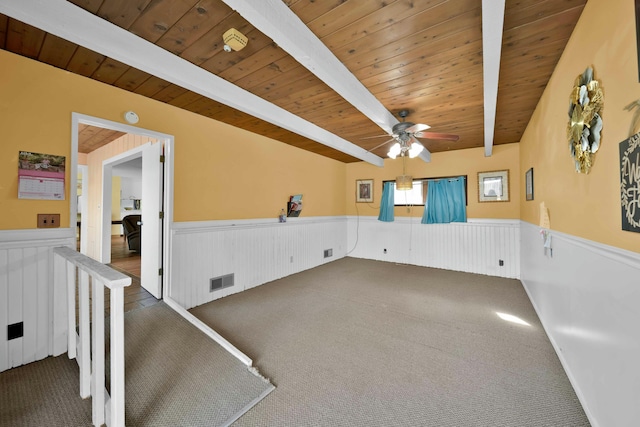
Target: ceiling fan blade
[418, 127]
[378, 146]
[435, 135]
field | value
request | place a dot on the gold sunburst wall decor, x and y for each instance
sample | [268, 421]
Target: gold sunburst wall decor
[585, 120]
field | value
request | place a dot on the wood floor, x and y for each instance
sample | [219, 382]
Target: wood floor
[128, 262]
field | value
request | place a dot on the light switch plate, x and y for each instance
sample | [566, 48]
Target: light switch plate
[48, 220]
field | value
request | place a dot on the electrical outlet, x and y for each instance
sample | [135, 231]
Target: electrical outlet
[501, 263]
[48, 220]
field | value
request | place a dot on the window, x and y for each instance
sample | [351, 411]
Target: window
[418, 194]
[415, 196]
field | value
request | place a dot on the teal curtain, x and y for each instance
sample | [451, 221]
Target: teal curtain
[386, 203]
[446, 201]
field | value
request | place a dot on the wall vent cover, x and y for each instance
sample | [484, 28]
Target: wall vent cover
[221, 282]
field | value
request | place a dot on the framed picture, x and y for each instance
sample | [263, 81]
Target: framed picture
[529, 184]
[637, 7]
[493, 186]
[364, 191]
[630, 183]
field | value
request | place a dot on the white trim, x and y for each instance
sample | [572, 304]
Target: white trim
[632, 259]
[416, 220]
[36, 237]
[198, 226]
[167, 221]
[84, 208]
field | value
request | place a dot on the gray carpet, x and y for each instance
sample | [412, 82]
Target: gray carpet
[175, 376]
[366, 343]
[38, 395]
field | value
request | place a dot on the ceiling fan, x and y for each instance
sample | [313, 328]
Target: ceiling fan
[406, 135]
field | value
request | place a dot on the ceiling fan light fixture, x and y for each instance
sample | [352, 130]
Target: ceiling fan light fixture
[404, 182]
[415, 150]
[394, 150]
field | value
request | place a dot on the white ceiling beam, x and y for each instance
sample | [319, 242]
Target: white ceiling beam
[76, 25]
[492, 26]
[274, 19]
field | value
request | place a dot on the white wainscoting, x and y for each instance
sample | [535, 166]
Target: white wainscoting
[587, 296]
[27, 295]
[255, 251]
[475, 246]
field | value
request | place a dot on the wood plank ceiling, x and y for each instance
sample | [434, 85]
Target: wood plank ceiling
[421, 55]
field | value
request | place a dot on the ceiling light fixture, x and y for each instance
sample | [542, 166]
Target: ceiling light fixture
[404, 182]
[403, 147]
[234, 40]
[394, 150]
[415, 150]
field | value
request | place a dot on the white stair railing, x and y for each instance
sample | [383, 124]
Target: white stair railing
[105, 409]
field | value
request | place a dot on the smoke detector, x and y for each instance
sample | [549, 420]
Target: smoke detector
[234, 40]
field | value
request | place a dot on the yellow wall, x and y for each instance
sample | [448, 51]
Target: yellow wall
[460, 162]
[582, 205]
[236, 174]
[220, 172]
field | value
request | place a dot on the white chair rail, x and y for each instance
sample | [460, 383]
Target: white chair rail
[87, 345]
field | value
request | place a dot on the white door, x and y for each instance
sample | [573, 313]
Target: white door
[151, 207]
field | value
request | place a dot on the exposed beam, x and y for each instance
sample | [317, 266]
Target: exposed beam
[76, 25]
[274, 19]
[492, 25]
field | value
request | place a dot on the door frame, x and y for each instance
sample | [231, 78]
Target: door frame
[83, 208]
[167, 198]
[105, 202]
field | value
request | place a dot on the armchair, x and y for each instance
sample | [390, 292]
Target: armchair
[132, 231]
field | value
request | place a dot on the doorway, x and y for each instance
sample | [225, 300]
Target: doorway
[158, 187]
[149, 211]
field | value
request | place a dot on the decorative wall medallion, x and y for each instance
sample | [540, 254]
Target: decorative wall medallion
[585, 121]
[630, 183]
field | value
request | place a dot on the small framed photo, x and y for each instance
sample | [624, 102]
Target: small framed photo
[364, 191]
[529, 184]
[493, 186]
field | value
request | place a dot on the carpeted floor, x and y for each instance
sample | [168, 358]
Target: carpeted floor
[365, 343]
[38, 394]
[175, 376]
